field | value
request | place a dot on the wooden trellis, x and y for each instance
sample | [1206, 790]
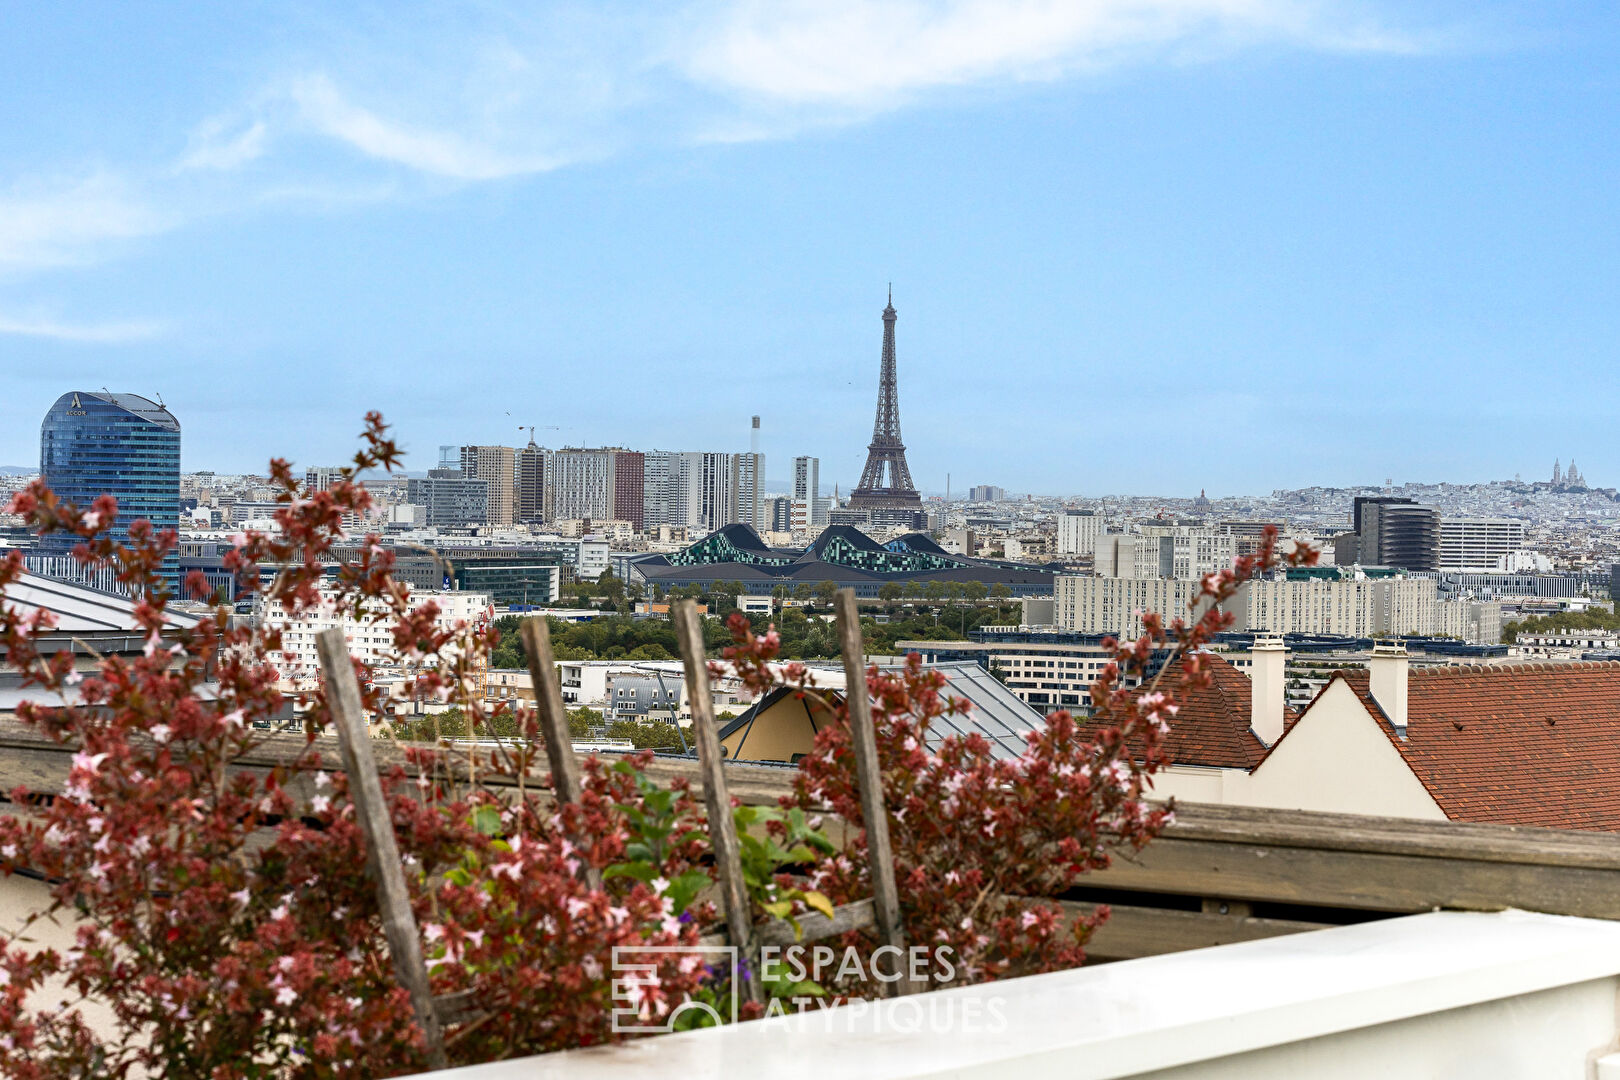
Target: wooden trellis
[880, 913]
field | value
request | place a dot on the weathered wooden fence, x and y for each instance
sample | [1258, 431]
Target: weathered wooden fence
[741, 931]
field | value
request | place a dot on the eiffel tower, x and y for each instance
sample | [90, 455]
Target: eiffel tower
[886, 456]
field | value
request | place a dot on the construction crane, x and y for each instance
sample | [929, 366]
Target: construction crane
[531, 428]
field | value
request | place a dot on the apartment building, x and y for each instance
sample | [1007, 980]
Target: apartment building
[1341, 605]
[1163, 551]
[1114, 605]
[582, 483]
[1077, 531]
[1347, 607]
[372, 642]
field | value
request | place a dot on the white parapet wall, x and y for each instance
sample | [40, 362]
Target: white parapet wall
[1447, 994]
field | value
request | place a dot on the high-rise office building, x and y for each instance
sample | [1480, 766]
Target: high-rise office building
[450, 497]
[1393, 531]
[121, 445]
[496, 466]
[531, 484]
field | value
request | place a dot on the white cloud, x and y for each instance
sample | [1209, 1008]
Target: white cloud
[849, 54]
[483, 94]
[73, 221]
[438, 153]
[215, 145]
[99, 334]
[509, 95]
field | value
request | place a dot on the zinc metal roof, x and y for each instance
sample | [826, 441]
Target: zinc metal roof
[998, 714]
[79, 609]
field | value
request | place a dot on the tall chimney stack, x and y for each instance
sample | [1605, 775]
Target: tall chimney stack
[1268, 659]
[1387, 668]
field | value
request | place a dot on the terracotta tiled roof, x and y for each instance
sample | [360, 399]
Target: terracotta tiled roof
[1526, 744]
[1212, 727]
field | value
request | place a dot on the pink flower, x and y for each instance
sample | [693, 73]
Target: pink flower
[90, 763]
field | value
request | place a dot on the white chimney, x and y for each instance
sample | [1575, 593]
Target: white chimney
[1267, 662]
[1387, 668]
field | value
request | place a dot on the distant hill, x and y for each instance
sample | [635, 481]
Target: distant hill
[18, 470]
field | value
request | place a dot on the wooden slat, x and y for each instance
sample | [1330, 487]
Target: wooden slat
[1390, 835]
[717, 800]
[1131, 932]
[536, 634]
[857, 916]
[812, 927]
[869, 774]
[382, 848]
[565, 771]
[1371, 881]
[457, 1008]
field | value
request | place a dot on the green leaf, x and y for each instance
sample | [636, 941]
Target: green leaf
[639, 870]
[487, 820]
[685, 888]
[779, 908]
[803, 988]
[458, 876]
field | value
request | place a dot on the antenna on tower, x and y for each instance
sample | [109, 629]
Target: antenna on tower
[160, 402]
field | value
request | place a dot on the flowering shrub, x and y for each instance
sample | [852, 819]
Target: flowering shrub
[221, 953]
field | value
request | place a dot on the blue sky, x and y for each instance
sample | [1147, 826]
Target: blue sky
[1137, 245]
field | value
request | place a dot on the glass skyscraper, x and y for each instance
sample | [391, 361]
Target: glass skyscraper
[115, 444]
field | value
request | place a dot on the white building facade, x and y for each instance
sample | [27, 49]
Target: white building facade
[372, 642]
[1478, 543]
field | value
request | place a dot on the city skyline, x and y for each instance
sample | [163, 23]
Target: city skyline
[1326, 223]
